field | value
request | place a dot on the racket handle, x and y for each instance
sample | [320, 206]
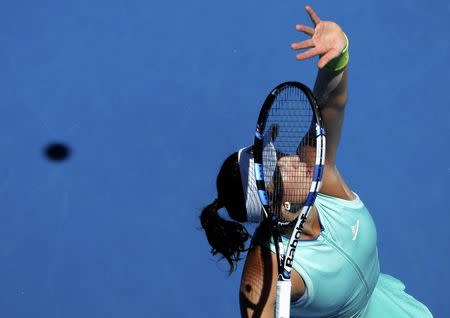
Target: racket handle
[283, 303]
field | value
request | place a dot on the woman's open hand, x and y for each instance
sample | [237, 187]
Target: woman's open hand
[327, 40]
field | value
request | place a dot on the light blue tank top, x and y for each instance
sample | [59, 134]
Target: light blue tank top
[341, 268]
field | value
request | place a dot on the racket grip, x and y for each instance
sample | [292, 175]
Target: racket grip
[283, 302]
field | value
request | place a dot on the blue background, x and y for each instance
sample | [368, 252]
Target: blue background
[152, 96]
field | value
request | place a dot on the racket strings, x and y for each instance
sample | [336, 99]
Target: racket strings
[289, 152]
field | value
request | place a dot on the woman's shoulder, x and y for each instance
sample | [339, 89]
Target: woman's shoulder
[334, 185]
[354, 201]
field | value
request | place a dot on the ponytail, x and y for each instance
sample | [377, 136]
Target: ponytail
[225, 237]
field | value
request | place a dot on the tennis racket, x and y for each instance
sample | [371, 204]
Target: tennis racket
[289, 156]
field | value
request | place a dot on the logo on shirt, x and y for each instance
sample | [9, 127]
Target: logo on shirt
[355, 229]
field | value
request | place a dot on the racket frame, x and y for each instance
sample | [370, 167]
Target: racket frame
[285, 260]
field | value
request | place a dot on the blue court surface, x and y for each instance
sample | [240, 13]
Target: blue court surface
[151, 96]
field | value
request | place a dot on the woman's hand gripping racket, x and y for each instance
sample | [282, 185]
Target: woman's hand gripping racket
[289, 155]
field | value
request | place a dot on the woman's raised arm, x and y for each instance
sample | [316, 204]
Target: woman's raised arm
[328, 41]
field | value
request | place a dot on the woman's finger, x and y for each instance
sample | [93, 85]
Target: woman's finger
[302, 45]
[308, 54]
[305, 29]
[313, 15]
[331, 54]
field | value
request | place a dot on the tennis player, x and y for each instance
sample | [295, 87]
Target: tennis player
[336, 271]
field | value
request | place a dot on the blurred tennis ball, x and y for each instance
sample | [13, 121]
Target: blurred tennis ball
[57, 151]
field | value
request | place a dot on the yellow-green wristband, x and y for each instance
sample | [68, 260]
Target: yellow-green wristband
[340, 62]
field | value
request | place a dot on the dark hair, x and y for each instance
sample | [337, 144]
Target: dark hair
[227, 237]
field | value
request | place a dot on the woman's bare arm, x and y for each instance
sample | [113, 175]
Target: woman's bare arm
[328, 41]
[258, 285]
[330, 90]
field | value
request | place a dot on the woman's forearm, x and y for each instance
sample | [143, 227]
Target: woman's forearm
[330, 88]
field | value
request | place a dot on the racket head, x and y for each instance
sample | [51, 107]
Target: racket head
[289, 152]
